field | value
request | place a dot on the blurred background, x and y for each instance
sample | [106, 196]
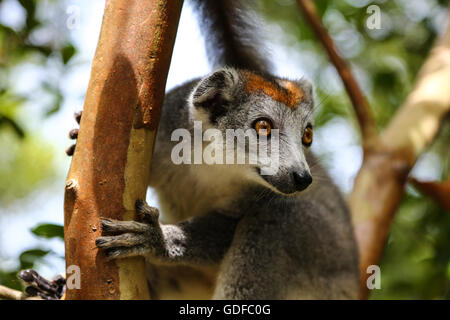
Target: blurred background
[46, 50]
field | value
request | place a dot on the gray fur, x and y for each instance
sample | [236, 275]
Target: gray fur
[260, 240]
[227, 232]
[198, 241]
[290, 248]
[232, 37]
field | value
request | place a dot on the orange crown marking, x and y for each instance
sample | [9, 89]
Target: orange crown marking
[287, 93]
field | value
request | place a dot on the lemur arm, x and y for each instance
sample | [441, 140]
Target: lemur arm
[197, 241]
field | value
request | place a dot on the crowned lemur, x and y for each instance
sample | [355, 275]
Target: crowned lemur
[229, 231]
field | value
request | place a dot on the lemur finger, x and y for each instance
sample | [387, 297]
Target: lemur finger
[146, 213]
[123, 240]
[116, 226]
[41, 284]
[70, 150]
[122, 252]
[34, 292]
[77, 116]
[73, 134]
[31, 291]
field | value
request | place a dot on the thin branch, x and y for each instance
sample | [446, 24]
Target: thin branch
[11, 294]
[437, 191]
[360, 105]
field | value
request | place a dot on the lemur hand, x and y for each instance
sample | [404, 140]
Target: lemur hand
[40, 287]
[73, 134]
[133, 238]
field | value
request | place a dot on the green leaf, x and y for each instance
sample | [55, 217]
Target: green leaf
[48, 230]
[29, 257]
[67, 53]
[5, 120]
[57, 98]
[10, 279]
[30, 7]
[53, 109]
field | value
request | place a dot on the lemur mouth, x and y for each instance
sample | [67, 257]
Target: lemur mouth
[269, 185]
[289, 193]
[264, 177]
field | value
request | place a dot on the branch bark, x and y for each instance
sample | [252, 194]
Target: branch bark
[11, 294]
[111, 163]
[380, 183]
[437, 191]
[389, 157]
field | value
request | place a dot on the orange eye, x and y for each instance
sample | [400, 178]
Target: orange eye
[307, 136]
[263, 124]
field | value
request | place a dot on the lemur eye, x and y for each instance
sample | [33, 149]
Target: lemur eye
[307, 136]
[263, 124]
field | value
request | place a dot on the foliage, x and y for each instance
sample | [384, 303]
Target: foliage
[27, 162]
[416, 263]
[49, 230]
[18, 175]
[28, 259]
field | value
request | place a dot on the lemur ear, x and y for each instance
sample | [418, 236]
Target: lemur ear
[308, 89]
[307, 86]
[215, 92]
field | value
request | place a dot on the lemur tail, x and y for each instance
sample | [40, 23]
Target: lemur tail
[230, 36]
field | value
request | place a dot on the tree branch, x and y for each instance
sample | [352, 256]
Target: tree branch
[388, 158]
[360, 105]
[417, 122]
[111, 164]
[11, 294]
[379, 185]
[437, 191]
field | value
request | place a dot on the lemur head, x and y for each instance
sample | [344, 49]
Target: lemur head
[274, 108]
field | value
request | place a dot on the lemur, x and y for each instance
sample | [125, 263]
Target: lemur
[277, 236]
[228, 231]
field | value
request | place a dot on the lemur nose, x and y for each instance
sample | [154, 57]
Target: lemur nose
[302, 180]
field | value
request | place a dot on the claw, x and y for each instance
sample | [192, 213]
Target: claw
[120, 252]
[108, 225]
[101, 242]
[112, 226]
[39, 286]
[112, 253]
[28, 275]
[77, 116]
[124, 240]
[73, 134]
[132, 238]
[146, 213]
[31, 291]
[32, 277]
[70, 150]
[34, 292]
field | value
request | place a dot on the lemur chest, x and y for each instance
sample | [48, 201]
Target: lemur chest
[197, 191]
